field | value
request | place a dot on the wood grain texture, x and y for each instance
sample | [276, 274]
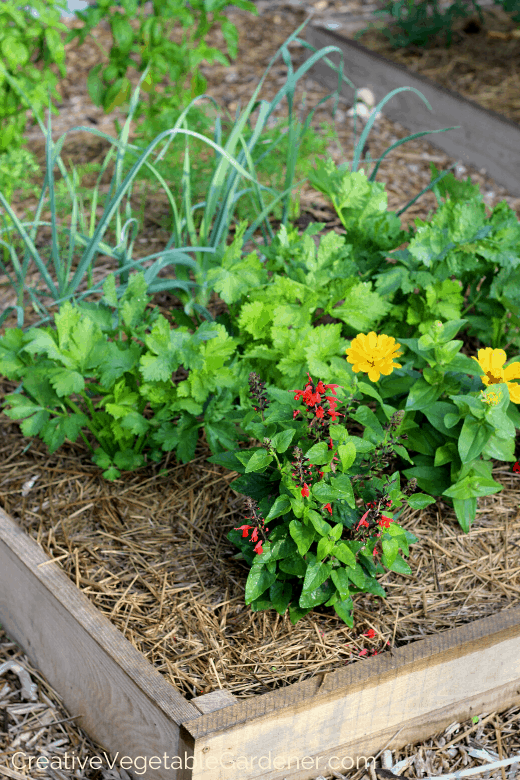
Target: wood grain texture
[213, 701]
[124, 703]
[352, 712]
[485, 139]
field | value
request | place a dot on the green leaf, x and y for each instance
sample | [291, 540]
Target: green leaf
[466, 511]
[325, 545]
[472, 439]
[318, 454]
[366, 417]
[281, 506]
[296, 613]
[324, 493]
[338, 433]
[400, 566]
[259, 461]
[344, 610]
[256, 486]
[294, 565]
[302, 534]
[341, 581]
[419, 500]
[258, 581]
[282, 440]
[317, 596]
[422, 396]
[315, 575]
[343, 486]
[357, 575]
[321, 525]
[473, 487]
[347, 454]
[344, 554]
[280, 594]
[390, 550]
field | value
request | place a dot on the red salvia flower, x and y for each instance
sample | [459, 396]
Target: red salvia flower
[516, 467]
[328, 508]
[305, 490]
[384, 522]
[258, 548]
[254, 535]
[363, 652]
[370, 633]
[320, 412]
[244, 529]
[363, 521]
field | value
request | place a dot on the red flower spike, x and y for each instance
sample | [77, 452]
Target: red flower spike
[332, 388]
[385, 521]
[320, 412]
[328, 508]
[370, 633]
[305, 490]
[362, 522]
[516, 467]
[244, 529]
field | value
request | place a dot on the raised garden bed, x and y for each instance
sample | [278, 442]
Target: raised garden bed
[195, 671]
[485, 139]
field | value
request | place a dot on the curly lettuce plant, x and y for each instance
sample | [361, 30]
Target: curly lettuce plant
[331, 513]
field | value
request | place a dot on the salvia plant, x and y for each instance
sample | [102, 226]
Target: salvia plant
[321, 515]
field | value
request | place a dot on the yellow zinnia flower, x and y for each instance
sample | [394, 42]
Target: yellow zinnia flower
[491, 361]
[373, 354]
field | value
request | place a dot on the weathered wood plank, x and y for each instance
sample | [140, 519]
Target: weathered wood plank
[352, 712]
[486, 139]
[124, 703]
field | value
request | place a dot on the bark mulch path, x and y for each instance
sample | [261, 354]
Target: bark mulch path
[482, 63]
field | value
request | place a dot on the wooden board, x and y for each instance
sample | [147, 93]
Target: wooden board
[346, 715]
[486, 139]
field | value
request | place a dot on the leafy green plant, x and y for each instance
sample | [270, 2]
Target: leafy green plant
[421, 20]
[110, 87]
[276, 319]
[109, 369]
[22, 36]
[306, 480]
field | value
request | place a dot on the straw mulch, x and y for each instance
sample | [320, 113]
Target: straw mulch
[482, 63]
[150, 552]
